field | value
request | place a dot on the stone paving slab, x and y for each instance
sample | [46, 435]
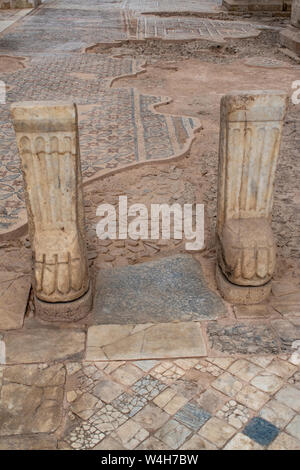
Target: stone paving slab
[38, 392]
[14, 292]
[41, 345]
[146, 341]
[170, 289]
[243, 338]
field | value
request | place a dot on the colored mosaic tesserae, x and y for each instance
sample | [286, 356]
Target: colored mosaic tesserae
[47, 138]
[250, 136]
[149, 243]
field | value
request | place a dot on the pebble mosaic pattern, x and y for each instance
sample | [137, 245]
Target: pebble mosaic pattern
[174, 419]
[121, 129]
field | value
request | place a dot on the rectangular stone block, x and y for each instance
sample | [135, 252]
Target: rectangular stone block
[295, 17]
[148, 341]
[257, 5]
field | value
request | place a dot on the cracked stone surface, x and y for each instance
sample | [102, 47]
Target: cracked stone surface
[31, 399]
[243, 338]
[171, 289]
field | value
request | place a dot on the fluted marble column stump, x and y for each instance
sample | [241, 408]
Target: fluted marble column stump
[47, 138]
[250, 136]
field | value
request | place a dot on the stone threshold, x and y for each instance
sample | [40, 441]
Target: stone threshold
[145, 341]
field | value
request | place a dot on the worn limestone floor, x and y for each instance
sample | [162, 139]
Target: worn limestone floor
[228, 380]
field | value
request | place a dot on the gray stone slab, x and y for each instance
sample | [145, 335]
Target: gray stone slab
[243, 338]
[169, 289]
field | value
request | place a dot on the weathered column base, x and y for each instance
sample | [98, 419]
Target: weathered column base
[241, 295]
[254, 6]
[64, 311]
[290, 38]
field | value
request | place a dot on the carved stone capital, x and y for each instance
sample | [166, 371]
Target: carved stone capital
[250, 136]
[47, 138]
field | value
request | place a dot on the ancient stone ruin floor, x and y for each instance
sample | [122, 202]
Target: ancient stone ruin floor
[148, 87]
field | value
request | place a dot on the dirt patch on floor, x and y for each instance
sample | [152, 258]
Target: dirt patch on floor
[153, 50]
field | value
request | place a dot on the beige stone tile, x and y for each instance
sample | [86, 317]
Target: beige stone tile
[262, 361]
[100, 336]
[31, 399]
[151, 417]
[38, 442]
[86, 405]
[173, 434]
[216, 431]
[130, 434]
[186, 363]
[198, 443]
[177, 402]
[152, 444]
[289, 396]
[284, 442]
[146, 366]
[244, 370]
[14, 292]
[107, 390]
[282, 368]
[109, 367]
[127, 374]
[294, 427]
[242, 442]
[267, 382]
[164, 340]
[108, 443]
[37, 345]
[164, 397]
[211, 400]
[222, 362]
[228, 384]
[277, 413]
[252, 398]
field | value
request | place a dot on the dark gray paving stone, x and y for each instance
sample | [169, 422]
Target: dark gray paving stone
[192, 416]
[261, 431]
[243, 338]
[169, 289]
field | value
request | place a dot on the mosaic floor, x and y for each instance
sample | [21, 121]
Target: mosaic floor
[53, 71]
[118, 127]
[205, 404]
[187, 28]
[229, 379]
[71, 26]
